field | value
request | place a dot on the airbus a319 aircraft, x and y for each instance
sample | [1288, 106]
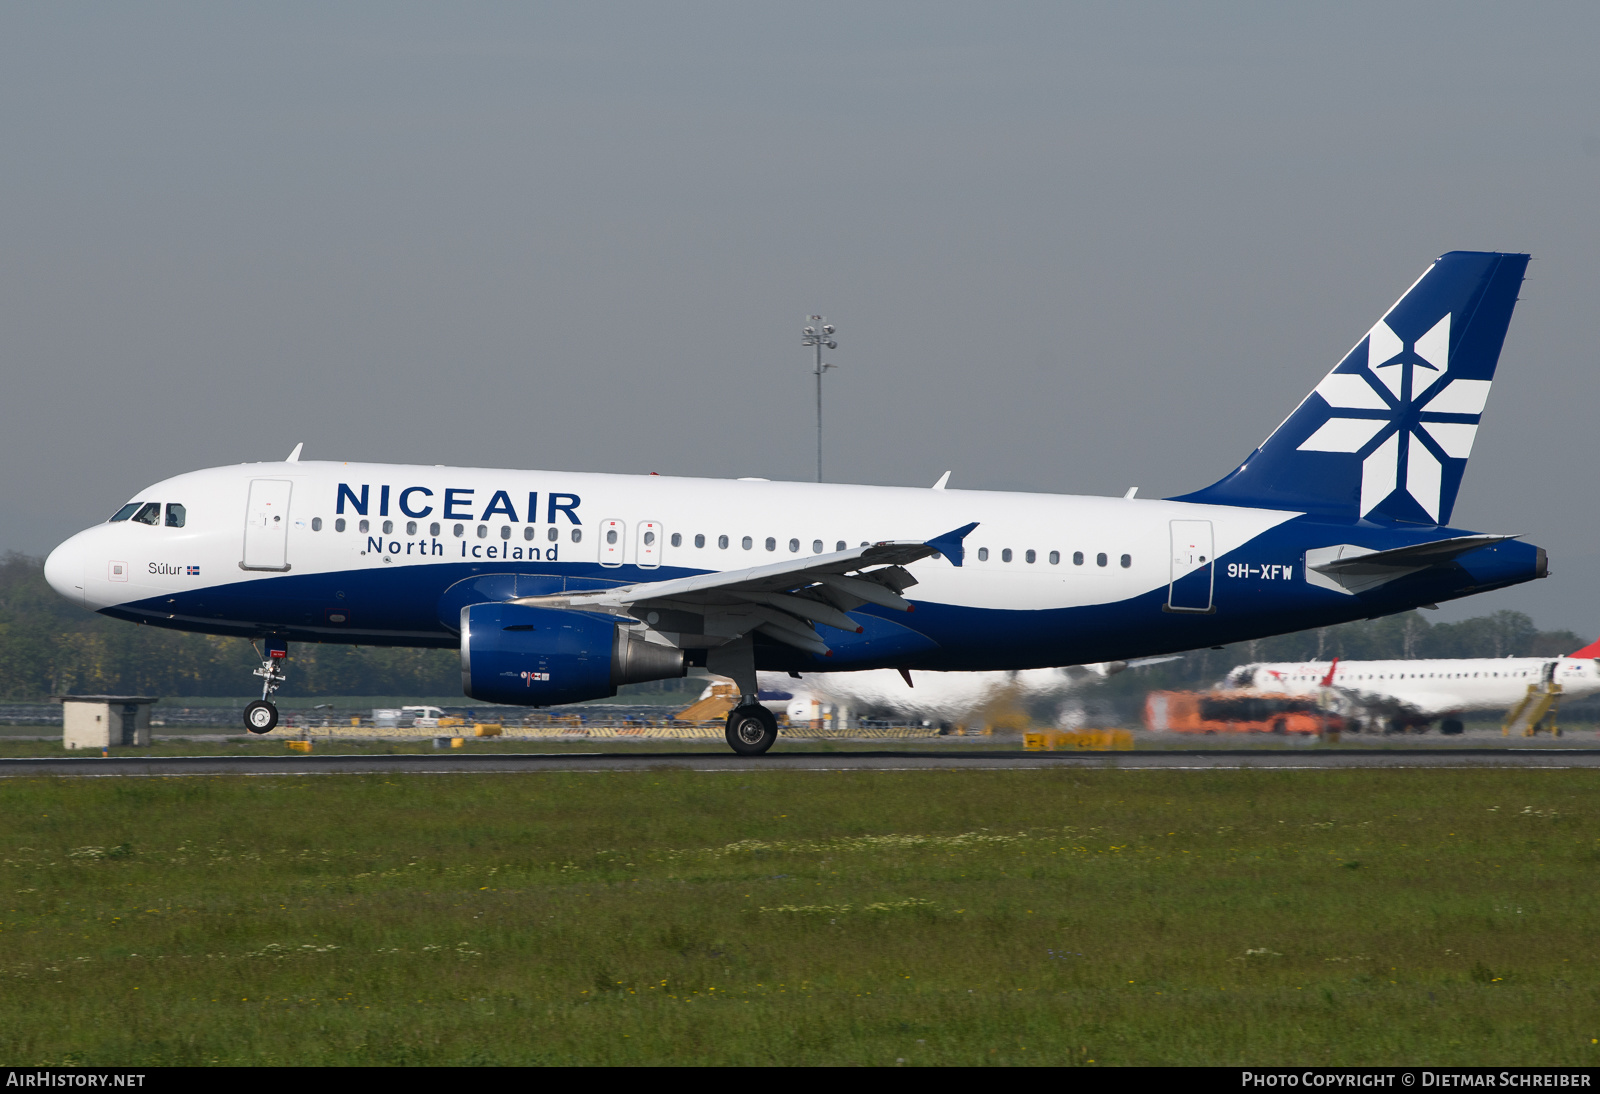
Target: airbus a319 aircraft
[558, 587]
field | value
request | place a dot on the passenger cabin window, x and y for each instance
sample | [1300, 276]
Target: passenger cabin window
[529, 532]
[433, 529]
[483, 531]
[1055, 558]
[1077, 558]
[699, 540]
[577, 535]
[149, 513]
[839, 546]
[649, 538]
[816, 546]
[722, 542]
[411, 527]
[983, 554]
[125, 512]
[677, 539]
[505, 531]
[175, 515]
[553, 534]
[611, 536]
[338, 524]
[794, 546]
[388, 527]
[747, 543]
[772, 544]
[316, 524]
[1100, 559]
[1031, 556]
[1005, 555]
[1127, 560]
[363, 527]
[459, 530]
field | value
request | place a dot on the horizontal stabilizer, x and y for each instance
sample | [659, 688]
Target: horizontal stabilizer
[1358, 560]
[1348, 568]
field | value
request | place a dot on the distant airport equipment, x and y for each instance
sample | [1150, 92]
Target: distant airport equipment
[559, 587]
[105, 721]
[1397, 695]
[1535, 709]
[1088, 740]
[1212, 712]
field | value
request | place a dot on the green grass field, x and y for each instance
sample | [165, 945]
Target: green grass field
[985, 917]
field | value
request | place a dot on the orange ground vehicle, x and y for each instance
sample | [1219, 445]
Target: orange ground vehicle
[1236, 712]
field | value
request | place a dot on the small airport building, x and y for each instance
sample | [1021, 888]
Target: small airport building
[101, 721]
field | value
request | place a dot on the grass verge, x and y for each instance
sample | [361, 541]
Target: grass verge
[1000, 917]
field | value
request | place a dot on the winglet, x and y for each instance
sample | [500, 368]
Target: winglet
[294, 457]
[949, 544]
[1327, 681]
[943, 480]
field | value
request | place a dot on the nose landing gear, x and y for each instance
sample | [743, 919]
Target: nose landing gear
[261, 716]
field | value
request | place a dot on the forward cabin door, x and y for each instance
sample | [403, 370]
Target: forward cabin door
[266, 525]
[1193, 567]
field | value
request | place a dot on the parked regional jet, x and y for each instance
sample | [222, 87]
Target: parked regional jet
[558, 587]
[1397, 694]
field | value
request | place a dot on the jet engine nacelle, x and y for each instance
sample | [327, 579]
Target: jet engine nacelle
[511, 653]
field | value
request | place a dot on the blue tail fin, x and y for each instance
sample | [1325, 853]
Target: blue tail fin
[1386, 435]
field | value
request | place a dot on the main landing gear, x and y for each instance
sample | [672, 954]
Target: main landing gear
[751, 730]
[261, 716]
[751, 727]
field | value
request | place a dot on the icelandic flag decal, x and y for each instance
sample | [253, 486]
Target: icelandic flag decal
[194, 571]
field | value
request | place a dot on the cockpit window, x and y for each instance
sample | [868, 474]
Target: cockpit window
[150, 513]
[126, 511]
[175, 515]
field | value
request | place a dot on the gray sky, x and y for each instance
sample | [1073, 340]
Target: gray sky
[1068, 248]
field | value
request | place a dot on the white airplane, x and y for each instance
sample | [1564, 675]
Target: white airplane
[1399, 694]
[939, 697]
[558, 587]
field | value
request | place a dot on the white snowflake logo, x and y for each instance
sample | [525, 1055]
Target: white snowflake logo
[1397, 411]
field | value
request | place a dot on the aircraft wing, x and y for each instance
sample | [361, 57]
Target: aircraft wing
[782, 600]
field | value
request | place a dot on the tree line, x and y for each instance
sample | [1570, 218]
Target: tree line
[50, 647]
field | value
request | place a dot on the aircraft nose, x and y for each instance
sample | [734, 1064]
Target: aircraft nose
[64, 570]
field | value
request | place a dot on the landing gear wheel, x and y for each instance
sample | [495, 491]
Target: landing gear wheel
[751, 730]
[1451, 726]
[260, 717]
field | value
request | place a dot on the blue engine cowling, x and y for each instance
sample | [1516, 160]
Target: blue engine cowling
[537, 657]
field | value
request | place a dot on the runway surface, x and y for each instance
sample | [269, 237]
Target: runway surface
[507, 763]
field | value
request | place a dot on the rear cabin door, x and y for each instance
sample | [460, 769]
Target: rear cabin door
[647, 553]
[266, 525]
[612, 542]
[1193, 567]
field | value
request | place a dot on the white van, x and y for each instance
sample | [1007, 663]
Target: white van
[420, 717]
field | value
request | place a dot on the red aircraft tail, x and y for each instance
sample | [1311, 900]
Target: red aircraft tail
[1591, 650]
[1327, 681]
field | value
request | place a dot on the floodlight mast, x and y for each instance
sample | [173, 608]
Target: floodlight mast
[818, 334]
